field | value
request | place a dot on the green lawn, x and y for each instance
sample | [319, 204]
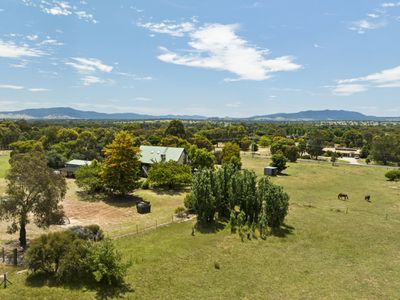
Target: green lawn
[326, 252]
[4, 165]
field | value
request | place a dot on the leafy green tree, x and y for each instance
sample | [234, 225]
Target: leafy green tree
[352, 138]
[174, 141]
[202, 142]
[86, 145]
[245, 143]
[229, 151]
[67, 134]
[121, 168]
[203, 197]
[169, 174]
[291, 152]
[26, 147]
[264, 141]
[201, 158]
[55, 160]
[315, 143]
[222, 186]
[277, 202]
[385, 149]
[88, 177]
[33, 190]
[176, 128]
[279, 161]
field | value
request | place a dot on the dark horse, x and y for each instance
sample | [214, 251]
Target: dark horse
[342, 196]
[368, 198]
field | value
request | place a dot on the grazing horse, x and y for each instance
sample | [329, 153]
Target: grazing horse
[342, 196]
[368, 198]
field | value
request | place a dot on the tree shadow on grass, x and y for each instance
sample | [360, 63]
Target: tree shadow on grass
[207, 228]
[40, 280]
[123, 201]
[283, 231]
[170, 192]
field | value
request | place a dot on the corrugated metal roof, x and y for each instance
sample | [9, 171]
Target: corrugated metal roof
[79, 162]
[150, 154]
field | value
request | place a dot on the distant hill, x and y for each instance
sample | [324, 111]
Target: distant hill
[67, 113]
[323, 115]
[70, 113]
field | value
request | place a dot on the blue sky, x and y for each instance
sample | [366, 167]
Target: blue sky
[213, 58]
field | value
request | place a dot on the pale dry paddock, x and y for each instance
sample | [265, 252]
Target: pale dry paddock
[116, 216]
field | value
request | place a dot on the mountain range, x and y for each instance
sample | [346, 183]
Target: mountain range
[67, 113]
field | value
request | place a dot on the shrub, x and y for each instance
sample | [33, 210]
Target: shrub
[90, 232]
[279, 161]
[393, 175]
[146, 184]
[88, 178]
[180, 212]
[104, 264]
[46, 252]
[169, 174]
[76, 256]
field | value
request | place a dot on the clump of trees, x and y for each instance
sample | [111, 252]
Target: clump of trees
[79, 255]
[33, 191]
[237, 195]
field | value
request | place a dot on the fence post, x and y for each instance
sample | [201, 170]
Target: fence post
[15, 257]
[5, 280]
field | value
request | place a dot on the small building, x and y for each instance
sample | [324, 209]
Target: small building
[343, 151]
[72, 165]
[156, 154]
[270, 171]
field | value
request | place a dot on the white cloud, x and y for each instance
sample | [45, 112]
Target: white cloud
[389, 78]
[218, 47]
[169, 27]
[51, 42]
[32, 37]
[61, 8]
[38, 90]
[362, 25]
[348, 89]
[373, 15]
[57, 8]
[89, 80]
[88, 65]
[11, 87]
[83, 15]
[390, 4]
[12, 50]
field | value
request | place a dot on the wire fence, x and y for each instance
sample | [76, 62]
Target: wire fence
[135, 229]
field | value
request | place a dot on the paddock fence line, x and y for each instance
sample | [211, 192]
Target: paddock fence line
[136, 229]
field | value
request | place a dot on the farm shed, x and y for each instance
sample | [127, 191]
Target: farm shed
[155, 154]
[270, 171]
[72, 165]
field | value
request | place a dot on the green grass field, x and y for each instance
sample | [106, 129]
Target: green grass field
[4, 165]
[325, 253]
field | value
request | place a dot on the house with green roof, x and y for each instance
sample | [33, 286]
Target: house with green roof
[156, 154]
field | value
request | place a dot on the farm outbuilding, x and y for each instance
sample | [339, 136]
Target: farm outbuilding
[156, 154]
[72, 165]
[270, 171]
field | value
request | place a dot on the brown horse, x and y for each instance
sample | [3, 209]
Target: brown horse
[342, 196]
[368, 198]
